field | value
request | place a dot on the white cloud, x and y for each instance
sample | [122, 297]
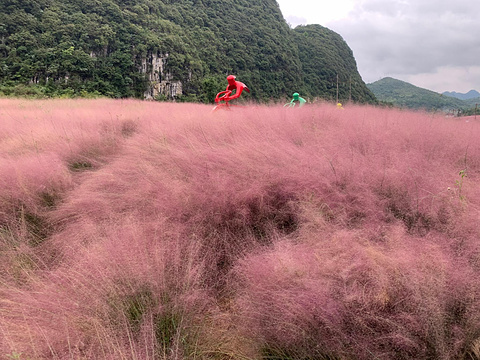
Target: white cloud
[446, 78]
[314, 11]
[293, 20]
[434, 43]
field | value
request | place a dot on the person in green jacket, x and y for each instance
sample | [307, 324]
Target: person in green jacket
[297, 99]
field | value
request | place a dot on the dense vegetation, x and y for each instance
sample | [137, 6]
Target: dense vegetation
[82, 47]
[475, 110]
[157, 231]
[319, 48]
[471, 95]
[472, 104]
[403, 94]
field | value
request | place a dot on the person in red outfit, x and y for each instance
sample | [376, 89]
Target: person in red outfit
[233, 85]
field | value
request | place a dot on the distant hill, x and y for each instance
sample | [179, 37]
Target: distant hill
[471, 99]
[472, 94]
[403, 94]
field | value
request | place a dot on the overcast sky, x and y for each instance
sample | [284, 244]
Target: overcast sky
[433, 44]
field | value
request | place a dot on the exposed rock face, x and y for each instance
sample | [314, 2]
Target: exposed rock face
[160, 81]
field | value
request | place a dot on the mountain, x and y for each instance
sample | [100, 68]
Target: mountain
[469, 95]
[327, 61]
[472, 102]
[169, 49]
[406, 95]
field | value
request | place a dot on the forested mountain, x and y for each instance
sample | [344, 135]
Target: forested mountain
[471, 99]
[403, 94]
[472, 102]
[472, 94]
[180, 49]
[327, 64]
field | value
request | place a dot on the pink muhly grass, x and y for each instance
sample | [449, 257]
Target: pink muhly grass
[130, 294]
[83, 136]
[32, 184]
[30, 187]
[176, 231]
[343, 298]
[161, 300]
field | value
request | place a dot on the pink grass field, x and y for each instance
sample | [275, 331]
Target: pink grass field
[143, 230]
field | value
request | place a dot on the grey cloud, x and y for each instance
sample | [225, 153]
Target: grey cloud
[390, 8]
[412, 37]
[295, 20]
